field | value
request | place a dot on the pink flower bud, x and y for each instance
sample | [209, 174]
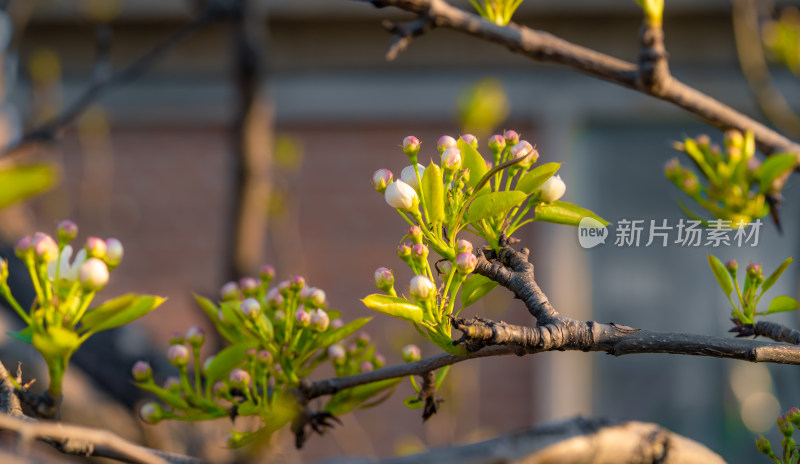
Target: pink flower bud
[733, 138]
[384, 279]
[404, 251]
[409, 176]
[363, 339]
[336, 324]
[195, 336]
[266, 273]
[175, 338]
[251, 308]
[352, 348]
[422, 288]
[465, 262]
[470, 139]
[415, 234]
[379, 360]
[23, 246]
[178, 355]
[114, 252]
[336, 353]
[297, 283]
[142, 372]
[284, 287]
[411, 145]
[381, 179]
[302, 317]
[172, 384]
[451, 159]
[553, 189]
[419, 252]
[229, 291]
[316, 298]
[251, 354]
[151, 412]
[220, 389]
[523, 149]
[265, 357]
[274, 298]
[463, 246]
[401, 196]
[366, 366]
[249, 286]
[497, 143]
[319, 320]
[411, 353]
[93, 274]
[95, 247]
[512, 137]
[240, 379]
[44, 247]
[67, 231]
[445, 142]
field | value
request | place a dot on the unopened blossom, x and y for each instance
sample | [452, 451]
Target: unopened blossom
[470, 139]
[415, 234]
[411, 353]
[66, 231]
[421, 287]
[265, 357]
[302, 317]
[464, 246]
[178, 355]
[512, 137]
[366, 366]
[96, 247]
[249, 286]
[172, 384]
[384, 279]
[151, 412]
[239, 378]
[316, 298]
[114, 252]
[229, 291]
[497, 143]
[553, 189]
[411, 147]
[466, 262]
[266, 273]
[23, 246]
[195, 336]
[381, 179]
[451, 159]
[336, 353]
[251, 308]
[44, 247]
[337, 323]
[401, 196]
[274, 298]
[409, 175]
[319, 320]
[525, 150]
[142, 371]
[445, 142]
[93, 274]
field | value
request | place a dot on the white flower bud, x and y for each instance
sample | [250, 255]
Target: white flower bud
[114, 252]
[451, 159]
[445, 142]
[408, 175]
[94, 274]
[553, 189]
[421, 287]
[401, 196]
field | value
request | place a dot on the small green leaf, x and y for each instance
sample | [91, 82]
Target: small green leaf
[493, 204]
[782, 304]
[394, 306]
[534, 179]
[227, 360]
[433, 188]
[24, 335]
[412, 402]
[722, 275]
[774, 167]
[474, 288]
[18, 183]
[770, 281]
[441, 375]
[472, 160]
[212, 311]
[56, 342]
[330, 337]
[119, 311]
[561, 212]
[346, 400]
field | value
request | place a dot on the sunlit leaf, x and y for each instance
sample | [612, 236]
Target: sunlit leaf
[18, 183]
[721, 273]
[119, 311]
[493, 204]
[561, 212]
[774, 167]
[394, 306]
[433, 188]
[537, 176]
[782, 304]
[770, 281]
[472, 160]
[474, 288]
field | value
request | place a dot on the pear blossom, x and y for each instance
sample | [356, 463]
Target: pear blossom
[93, 274]
[66, 270]
[553, 189]
[114, 252]
[381, 179]
[445, 142]
[409, 176]
[411, 353]
[402, 196]
[451, 159]
[421, 287]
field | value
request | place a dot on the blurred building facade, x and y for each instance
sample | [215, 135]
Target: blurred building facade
[161, 182]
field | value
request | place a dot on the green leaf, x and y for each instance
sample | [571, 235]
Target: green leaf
[119, 311]
[18, 183]
[227, 360]
[472, 160]
[346, 400]
[24, 335]
[433, 188]
[441, 375]
[782, 304]
[212, 311]
[774, 167]
[534, 179]
[55, 342]
[770, 281]
[493, 204]
[561, 212]
[474, 288]
[330, 337]
[394, 306]
[722, 275]
[412, 402]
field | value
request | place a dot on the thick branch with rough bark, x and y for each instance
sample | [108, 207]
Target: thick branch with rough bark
[544, 47]
[573, 441]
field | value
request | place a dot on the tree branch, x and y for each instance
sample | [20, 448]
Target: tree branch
[773, 330]
[545, 47]
[104, 83]
[573, 441]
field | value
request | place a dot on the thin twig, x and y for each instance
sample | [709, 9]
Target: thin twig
[545, 47]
